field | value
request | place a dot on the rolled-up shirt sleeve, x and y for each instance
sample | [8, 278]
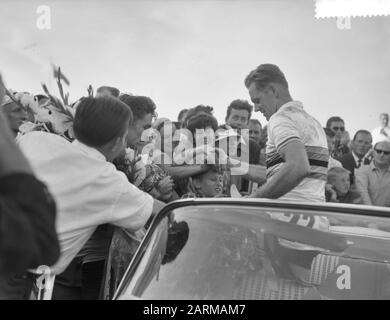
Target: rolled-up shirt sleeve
[284, 130]
[361, 175]
[132, 208]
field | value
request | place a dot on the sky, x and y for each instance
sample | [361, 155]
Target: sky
[190, 52]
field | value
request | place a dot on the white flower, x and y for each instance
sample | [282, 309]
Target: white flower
[129, 154]
[28, 100]
[59, 121]
[42, 114]
[27, 127]
[17, 95]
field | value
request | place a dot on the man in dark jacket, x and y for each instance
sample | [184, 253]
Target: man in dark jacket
[28, 237]
[360, 145]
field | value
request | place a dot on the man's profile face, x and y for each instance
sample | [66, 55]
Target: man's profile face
[361, 144]
[238, 119]
[120, 147]
[255, 131]
[384, 120]
[338, 128]
[137, 128]
[264, 100]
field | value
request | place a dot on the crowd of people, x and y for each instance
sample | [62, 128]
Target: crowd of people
[69, 171]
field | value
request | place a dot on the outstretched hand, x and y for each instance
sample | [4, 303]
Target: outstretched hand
[165, 185]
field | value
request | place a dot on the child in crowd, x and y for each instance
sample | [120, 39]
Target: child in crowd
[339, 189]
[206, 184]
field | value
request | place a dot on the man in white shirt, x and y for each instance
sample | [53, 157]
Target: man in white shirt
[88, 189]
[297, 163]
[382, 133]
[297, 151]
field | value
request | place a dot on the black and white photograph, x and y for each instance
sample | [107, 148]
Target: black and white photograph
[194, 155]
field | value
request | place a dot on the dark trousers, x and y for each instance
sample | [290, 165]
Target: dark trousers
[79, 281]
[92, 276]
[16, 287]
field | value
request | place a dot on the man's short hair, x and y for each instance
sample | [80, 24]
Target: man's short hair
[264, 75]
[201, 121]
[239, 105]
[329, 132]
[113, 91]
[384, 114]
[361, 131]
[100, 120]
[335, 172]
[139, 105]
[333, 119]
[193, 112]
[181, 115]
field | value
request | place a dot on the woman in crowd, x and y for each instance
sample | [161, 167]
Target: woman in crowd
[194, 150]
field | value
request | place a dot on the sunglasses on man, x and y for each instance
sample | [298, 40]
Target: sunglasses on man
[338, 129]
[379, 151]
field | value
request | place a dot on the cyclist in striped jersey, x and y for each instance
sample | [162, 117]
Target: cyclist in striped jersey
[296, 154]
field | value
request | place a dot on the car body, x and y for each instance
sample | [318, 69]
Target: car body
[253, 249]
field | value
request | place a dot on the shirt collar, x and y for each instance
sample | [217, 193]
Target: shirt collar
[92, 152]
[356, 158]
[291, 104]
[373, 166]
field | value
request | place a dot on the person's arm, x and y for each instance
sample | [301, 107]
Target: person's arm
[252, 172]
[157, 206]
[291, 173]
[184, 171]
[361, 177]
[133, 208]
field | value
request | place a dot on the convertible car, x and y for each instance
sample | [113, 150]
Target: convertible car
[253, 249]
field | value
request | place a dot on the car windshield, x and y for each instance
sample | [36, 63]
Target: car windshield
[247, 252]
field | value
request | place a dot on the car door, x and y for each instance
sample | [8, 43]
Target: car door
[243, 249]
